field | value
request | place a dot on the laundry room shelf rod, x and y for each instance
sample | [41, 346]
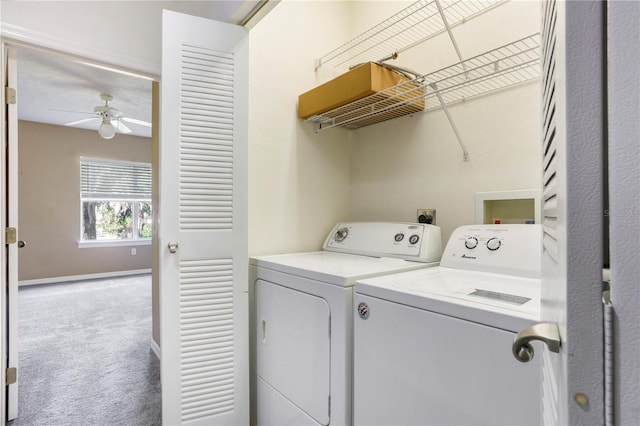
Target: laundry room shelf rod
[506, 66]
[411, 26]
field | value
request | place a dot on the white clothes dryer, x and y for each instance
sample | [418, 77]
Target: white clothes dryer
[303, 317]
[433, 346]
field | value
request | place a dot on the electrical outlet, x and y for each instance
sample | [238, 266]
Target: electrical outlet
[133, 252]
[427, 216]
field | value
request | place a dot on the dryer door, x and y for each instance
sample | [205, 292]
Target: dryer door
[293, 349]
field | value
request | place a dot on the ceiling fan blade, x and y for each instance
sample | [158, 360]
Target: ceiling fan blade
[84, 120]
[135, 121]
[121, 128]
[74, 112]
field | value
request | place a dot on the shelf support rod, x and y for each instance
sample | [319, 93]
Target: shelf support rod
[453, 39]
[465, 153]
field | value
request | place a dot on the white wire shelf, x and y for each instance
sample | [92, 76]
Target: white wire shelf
[509, 65]
[411, 26]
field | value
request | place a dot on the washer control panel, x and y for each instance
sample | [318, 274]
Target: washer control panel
[504, 249]
[410, 241]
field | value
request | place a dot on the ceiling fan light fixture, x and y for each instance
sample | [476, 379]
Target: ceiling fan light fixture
[106, 129]
[111, 119]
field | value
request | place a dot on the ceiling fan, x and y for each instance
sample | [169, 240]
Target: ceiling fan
[111, 119]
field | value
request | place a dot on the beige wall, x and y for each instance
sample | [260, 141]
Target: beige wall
[298, 181]
[301, 183]
[49, 201]
[416, 162]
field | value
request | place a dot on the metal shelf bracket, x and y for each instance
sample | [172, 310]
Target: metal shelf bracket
[465, 153]
[448, 28]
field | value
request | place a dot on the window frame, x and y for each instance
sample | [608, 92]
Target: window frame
[135, 240]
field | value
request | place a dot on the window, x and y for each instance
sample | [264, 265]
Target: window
[115, 198]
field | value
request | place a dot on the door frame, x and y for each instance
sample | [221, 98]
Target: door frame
[10, 221]
[23, 39]
[623, 210]
[3, 257]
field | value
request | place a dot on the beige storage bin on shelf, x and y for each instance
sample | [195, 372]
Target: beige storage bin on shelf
[395, 95]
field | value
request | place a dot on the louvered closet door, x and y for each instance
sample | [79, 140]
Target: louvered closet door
[203, 215]
[573, 122]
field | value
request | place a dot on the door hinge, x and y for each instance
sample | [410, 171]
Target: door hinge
[10, 95]
[11, 375]
[606, 286]
[10, 235]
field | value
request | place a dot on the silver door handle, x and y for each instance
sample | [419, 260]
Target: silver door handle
[545, 332]
[173, 247]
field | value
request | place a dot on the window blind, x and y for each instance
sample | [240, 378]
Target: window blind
[115, 180]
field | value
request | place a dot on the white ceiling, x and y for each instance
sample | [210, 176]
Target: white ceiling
[55, 89]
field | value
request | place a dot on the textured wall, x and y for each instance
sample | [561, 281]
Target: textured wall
[298, 181]
[302, 183]
[416, 162]
[49, 201]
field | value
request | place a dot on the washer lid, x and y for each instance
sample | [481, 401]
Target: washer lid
[503, 301]
[335, 268]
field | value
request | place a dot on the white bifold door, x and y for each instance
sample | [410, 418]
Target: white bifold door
[573, 175]
[203, 227]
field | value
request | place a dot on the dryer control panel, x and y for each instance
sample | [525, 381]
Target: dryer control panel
[417, 242]
[501, 249]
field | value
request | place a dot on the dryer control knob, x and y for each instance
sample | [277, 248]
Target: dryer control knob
[341, 234]
[399, 237]
[471, 242]
[493, 244]
[414, 239]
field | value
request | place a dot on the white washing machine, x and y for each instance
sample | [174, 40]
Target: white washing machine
[304, 317]
[433, 346]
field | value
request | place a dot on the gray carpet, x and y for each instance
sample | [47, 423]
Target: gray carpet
[84, 354]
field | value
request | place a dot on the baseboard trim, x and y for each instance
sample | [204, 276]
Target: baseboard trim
[83, 277]
[155, 348]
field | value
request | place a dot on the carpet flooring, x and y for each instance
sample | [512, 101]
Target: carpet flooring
[84, 354]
